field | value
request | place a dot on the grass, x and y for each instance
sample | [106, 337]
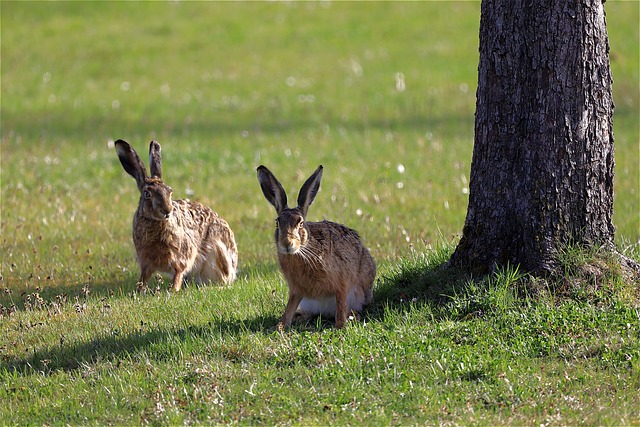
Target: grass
[433, 348]
[225, 87]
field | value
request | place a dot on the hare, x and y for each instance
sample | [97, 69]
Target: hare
[327, 268]
[180, 237]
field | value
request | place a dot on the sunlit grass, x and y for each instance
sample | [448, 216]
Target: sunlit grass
[440, 348]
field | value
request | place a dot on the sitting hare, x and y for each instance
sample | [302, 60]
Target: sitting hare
[180, 237]
[326, 266]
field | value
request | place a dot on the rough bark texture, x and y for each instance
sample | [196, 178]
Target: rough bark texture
[542, 167]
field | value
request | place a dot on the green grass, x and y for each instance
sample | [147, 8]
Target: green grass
[225, 87]
[434, 347]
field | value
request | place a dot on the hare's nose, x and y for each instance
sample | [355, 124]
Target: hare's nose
[167, 213]
[291, 249]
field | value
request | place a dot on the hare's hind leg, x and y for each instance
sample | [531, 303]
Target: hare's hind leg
[367, 280]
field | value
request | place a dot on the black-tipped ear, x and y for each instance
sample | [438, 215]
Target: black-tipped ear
[272, 189]
[155, 159]
[131, 162]
[309, 191]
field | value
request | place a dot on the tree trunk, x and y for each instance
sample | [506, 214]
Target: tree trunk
[542, 167]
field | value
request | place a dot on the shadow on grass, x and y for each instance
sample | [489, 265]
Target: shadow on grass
[145, 341]
[36, 127]
[119, 286]
[152, 343]
[46, 297]
[421, 281]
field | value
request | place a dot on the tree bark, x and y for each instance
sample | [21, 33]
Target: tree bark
[542, 168]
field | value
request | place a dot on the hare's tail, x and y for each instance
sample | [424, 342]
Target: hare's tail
[232, 262]
[226, 261]
[219, 265]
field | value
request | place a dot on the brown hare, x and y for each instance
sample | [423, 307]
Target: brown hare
[326, 266]
[180, 237]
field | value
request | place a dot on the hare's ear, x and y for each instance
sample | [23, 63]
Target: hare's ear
[272, 189]
[131, 162]
[309, 191]
[155, 159]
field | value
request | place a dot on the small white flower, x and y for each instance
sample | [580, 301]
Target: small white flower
[400, 84]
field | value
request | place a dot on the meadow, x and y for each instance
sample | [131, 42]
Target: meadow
[383, 96]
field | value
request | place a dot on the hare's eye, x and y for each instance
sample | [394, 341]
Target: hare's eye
[147, 194]
[301, 224]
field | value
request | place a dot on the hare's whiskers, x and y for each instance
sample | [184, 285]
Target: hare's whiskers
[312, 258]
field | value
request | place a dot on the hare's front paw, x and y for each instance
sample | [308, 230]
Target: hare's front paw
[142, 288]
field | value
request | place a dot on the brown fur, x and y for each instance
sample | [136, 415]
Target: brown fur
[319, 260]
[179, 237]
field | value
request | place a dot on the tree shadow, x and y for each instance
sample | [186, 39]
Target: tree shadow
[223, 128]
[426, 282]
[154, 343]
[417, 284]
[410, 285]
[115, 345]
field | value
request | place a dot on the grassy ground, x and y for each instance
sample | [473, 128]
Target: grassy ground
[383, 96]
